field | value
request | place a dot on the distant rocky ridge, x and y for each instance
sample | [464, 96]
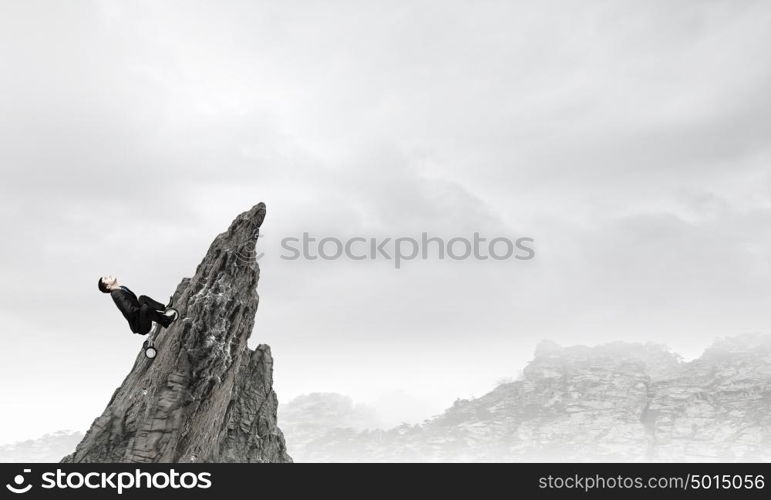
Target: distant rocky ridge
[614, 402]
[311, 417]
[206, 397]
[47, 448]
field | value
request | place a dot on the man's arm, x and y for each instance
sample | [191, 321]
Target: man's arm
[125, 302]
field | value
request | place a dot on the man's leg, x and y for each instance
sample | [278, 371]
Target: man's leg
[145, 300]
[146, 317]
[145, 320]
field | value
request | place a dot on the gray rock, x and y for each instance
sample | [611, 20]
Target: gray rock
[206, 397]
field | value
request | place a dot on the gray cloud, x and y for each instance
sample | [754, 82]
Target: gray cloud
[629, 139]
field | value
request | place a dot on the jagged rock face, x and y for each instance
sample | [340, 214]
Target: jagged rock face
[206, 397]
[616, 402]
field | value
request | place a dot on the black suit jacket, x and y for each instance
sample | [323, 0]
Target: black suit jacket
[128, 304]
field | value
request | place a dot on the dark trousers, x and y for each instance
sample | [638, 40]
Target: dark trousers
[150, 310]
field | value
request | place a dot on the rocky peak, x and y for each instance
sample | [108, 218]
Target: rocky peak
[655, 360]
[206, 397]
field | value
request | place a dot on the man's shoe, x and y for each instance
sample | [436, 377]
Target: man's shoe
[165, 321]
[170, 315]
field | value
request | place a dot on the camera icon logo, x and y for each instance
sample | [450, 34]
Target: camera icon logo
[18, 483]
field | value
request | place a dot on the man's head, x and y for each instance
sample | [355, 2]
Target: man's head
[107, 283]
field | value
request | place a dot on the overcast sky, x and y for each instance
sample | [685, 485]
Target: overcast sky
[629, 139]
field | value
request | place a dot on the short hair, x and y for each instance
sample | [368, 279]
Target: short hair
[103, 286]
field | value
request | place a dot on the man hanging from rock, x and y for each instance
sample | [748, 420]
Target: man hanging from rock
[139, 312]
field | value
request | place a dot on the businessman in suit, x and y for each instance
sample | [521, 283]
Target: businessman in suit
[140, 312]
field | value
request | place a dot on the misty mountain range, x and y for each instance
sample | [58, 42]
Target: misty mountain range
[46, 449]
[613, 402]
